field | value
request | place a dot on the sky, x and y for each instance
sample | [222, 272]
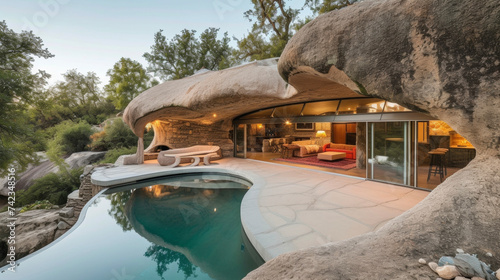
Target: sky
[92, 35]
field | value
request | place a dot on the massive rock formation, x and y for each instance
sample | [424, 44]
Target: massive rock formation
[440, 57]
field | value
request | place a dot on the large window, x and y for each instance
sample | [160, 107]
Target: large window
[361, 106]
[322, 108]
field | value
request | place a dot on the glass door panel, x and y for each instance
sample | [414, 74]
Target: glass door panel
[389, 152]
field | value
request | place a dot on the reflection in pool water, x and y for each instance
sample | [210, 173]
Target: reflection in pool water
[163, 231]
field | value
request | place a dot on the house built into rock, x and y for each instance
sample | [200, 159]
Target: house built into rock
[395, 79]
[251, 112]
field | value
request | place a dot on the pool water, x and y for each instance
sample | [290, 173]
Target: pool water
[177, 228]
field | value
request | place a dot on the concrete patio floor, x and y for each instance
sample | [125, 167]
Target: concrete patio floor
[291, 208]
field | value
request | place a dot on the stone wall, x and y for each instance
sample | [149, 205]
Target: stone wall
[87, 190]
[181, 134]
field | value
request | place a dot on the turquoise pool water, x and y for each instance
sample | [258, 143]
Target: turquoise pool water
[185, 227]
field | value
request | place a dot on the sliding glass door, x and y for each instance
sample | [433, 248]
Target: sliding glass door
[389, 152]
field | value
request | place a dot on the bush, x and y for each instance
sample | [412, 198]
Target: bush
[70, 137]
[44, 204]
[114, 154]
[116, 134]
[52, 187]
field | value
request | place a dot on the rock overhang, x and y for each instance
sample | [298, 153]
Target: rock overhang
[219, 96]
[425, 55]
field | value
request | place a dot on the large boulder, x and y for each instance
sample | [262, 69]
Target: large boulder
[44, 167]
[82, 159]
[34, 229]
[440, 57]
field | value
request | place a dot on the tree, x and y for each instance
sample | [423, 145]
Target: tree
[127, 79]
[17, 84]
[272, 19]
[78, 89]
[184, 53]
[79, 97]
[325, 6]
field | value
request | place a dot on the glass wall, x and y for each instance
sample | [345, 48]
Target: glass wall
[389, 152]
[361, 106]
[393, 144]
[322, 108]
[440, 153]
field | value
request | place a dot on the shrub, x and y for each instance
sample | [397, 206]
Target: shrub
[70, 137]
[116, 134]
[114, 154]
[52, 187]
[44, 204]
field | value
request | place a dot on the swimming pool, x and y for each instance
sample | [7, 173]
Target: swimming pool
[179, 227]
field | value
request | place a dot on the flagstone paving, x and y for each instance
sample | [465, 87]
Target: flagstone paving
[290, 208]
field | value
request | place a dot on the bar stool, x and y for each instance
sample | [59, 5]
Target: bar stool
[445, 159]
[437, 166]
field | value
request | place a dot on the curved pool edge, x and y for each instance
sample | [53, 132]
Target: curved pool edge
[258, 231]
[79, 221]
[278, 213]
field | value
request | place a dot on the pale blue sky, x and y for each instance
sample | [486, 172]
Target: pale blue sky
[92, 35]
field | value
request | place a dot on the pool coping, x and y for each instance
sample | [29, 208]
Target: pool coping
[268, 237]
[251, 218]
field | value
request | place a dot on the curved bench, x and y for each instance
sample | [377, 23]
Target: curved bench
[193, 155]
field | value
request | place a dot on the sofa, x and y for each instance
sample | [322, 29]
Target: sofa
[306, 148]
[349, 150]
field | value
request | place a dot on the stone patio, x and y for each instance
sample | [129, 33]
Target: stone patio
[291, 208]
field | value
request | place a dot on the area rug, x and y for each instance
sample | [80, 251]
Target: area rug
[313, 160]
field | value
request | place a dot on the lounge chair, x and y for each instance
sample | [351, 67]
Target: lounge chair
[193, 155]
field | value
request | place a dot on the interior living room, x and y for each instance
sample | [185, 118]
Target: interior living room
[362, 137]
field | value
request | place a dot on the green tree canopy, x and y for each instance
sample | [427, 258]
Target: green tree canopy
[325, 6]
[184, 54]
[127, 79]
[17, 84]
[275, 23]
[79, 97]
[272, 28]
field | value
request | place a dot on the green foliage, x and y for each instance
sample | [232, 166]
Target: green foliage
[325, 6]
[69, 137]
[272, 18]
[116, 134]
[149, 135]
[52, 187]
[164, 257]
[44, 204]
[127, 79]
[117, 211]
[113, 154]
[17, 83]
[185, 53]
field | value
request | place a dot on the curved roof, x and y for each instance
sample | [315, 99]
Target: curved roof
[226, 93]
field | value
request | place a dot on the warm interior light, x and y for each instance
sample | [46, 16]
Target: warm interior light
[214, 115]
[259, 126]
[215, 209]
[288, 122]
[320, 133]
